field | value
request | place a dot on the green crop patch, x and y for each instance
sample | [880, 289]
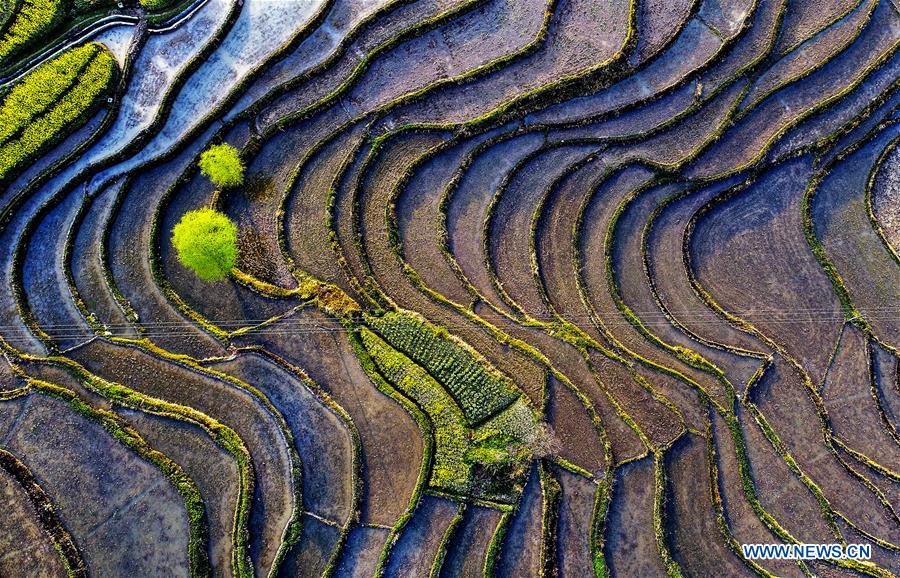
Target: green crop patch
[28, 26]
[33, 20]
[481, 391]
[51, 102]
[7, 10]
[488, 462]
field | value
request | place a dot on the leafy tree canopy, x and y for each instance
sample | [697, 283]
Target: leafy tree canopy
[206, 241]
[222, 164]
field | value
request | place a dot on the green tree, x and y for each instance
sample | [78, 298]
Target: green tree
[206, 241]
[222, 164]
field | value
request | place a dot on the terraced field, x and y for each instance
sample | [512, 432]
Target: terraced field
[515, 288]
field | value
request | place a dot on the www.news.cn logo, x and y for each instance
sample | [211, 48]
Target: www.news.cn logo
[807, 551]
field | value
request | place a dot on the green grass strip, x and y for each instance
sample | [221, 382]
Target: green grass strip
[480, 390]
